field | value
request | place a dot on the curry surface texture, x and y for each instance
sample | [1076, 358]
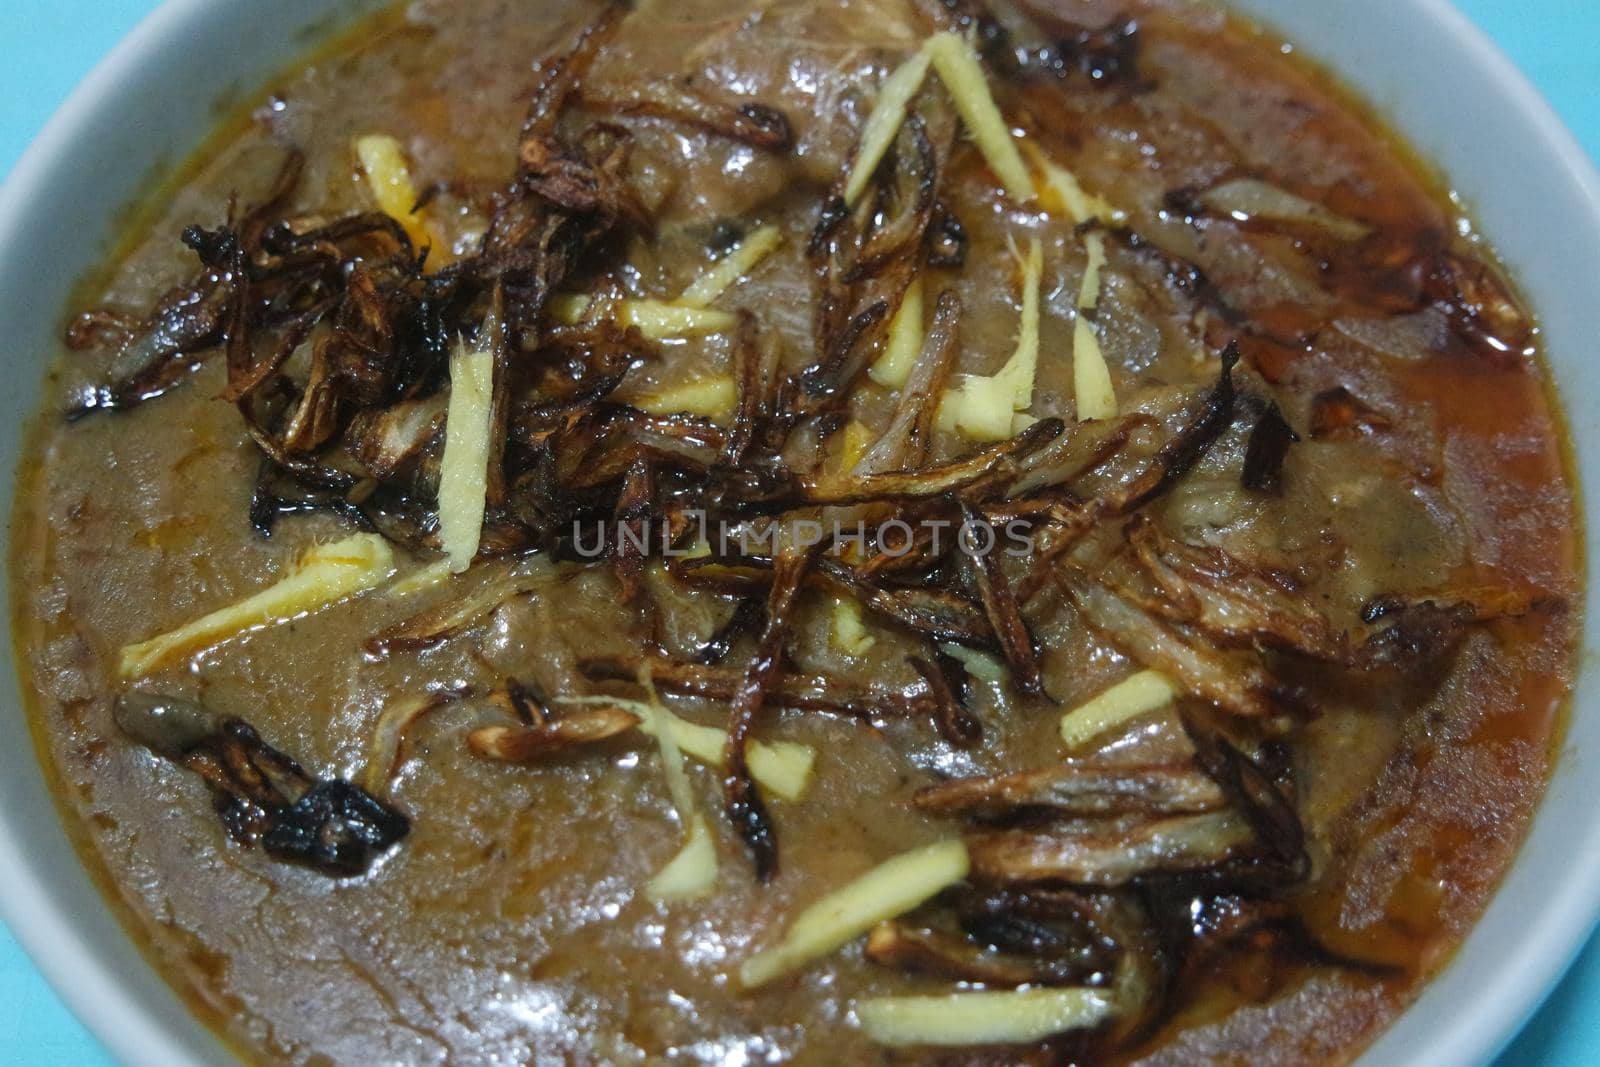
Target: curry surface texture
[511, 924]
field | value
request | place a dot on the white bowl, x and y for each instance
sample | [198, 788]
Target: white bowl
[1447, 88]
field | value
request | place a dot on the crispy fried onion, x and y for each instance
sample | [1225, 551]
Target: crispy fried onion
[1107, 824]
[742, 797]
[533, 741]
[336, 337]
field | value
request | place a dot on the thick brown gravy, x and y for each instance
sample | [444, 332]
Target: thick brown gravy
[510, 924]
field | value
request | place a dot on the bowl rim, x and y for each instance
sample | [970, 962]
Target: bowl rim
[55, 940]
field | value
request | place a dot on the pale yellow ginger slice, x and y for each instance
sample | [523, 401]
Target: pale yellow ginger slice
[324, 575]
[782, 768]
[979, 408]
[1062, 194]
[1091, 377]
[656, 319]
[666, 739]
[423, 578]
[661, 321]
[1023, 367]
[895, 95]
[731, 268]
[900, 353]
[961, 71]
[890, 889]
[389, 179]
[849, 446]
[980, 665]
[984, 408]
[464, 467]
[713, 397]
[849, 630]
[568, 308]
[1094, 246]
[1000, 1017]
[1127, 700]
[693, 871]
[691, 315]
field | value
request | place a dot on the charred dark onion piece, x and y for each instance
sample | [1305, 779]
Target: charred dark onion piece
[763, 126]
[304, 488]
[742, 797]
[278, 493]
[838, 369]
[1178, 455]
[753, 402]
[1271, 814]
[261, 795]
[1058, 532]
[1479, 307]
[937, 614]
[495, 335]
[1418, 634]
[335, 828]
[956, 723]
[897, 240]
[392, 443]
[632, 514]
[751, 123]
[1039, 921]
[1197, 937]
[1000, 605]
[1423, 632]
[562, 73]
[524, 701]
[947, 241]
[1265, 452]
[834, 212]
[167, 346]
[1107, 55]
[500, 583]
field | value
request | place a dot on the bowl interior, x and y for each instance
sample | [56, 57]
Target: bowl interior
[1529, 186]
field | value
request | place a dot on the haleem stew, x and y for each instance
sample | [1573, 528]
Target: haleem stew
[816, 531]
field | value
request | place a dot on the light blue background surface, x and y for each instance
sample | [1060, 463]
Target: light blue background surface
[51, 44]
